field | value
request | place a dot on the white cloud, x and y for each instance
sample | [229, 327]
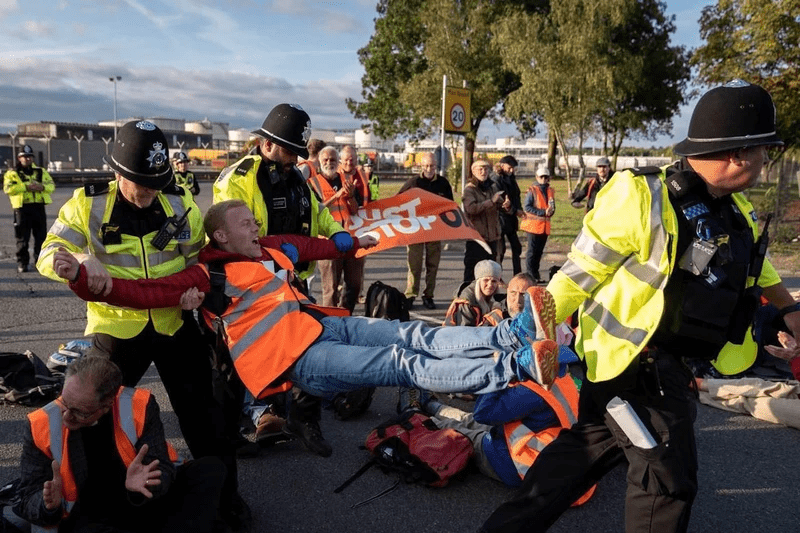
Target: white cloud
[7, 7]
[37, 29]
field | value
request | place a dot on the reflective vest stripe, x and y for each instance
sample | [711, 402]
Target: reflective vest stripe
[606, 320]
[119, 260]
[337, 208]
[524, 445]
[597, 251]
[537, 223]
[126, 406]
[582, 279]
[68, 234]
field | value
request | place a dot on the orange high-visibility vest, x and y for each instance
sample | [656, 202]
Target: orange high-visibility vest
[338, 208]
[312, 168]
[535, 223]
[51, 437]
[265, 329]
[525, 445]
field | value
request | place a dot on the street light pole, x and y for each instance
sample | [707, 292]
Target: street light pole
[114, 80]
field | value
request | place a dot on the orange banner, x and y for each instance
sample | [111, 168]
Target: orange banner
[411, 217]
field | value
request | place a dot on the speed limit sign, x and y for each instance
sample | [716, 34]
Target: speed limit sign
[458, 116]
[456, 109]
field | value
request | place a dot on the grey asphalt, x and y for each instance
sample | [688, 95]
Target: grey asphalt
[747, 471]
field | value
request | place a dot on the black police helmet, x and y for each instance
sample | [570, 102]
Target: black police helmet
[180, 157]
[509, 160]
[141, 155]
[25, 151]
[287, 125]
[735, 115]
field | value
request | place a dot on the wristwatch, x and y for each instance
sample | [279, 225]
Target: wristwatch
[789, 309]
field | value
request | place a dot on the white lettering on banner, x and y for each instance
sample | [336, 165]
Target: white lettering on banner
[392, 220]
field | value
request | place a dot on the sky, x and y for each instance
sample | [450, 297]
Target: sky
[228, 61]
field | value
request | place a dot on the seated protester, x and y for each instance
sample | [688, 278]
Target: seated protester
[96, 459]
[508, 428]
[476, 304]
[276, 335]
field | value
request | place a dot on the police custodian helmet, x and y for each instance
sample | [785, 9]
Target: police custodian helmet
[25, 151]
[141, 155]
[180, 157]
[735, 115]
[287, 125]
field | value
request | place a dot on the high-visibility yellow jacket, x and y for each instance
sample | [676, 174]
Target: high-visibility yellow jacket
[15, 185]
[239, 181]
[51, 437]
[618, 268]
[79, 229]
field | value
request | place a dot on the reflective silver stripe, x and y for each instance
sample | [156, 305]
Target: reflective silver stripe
[649, 272]
[582, 279]
[125, 407]
[562, 400]
[176, 203]
[61, 230]
[54, 422]
[263, 326]
[522, 432]
[119, 259]
[96, 212]
[597, 251]
[161, 257]
[188, 250]
[248, 298]
[609, 322]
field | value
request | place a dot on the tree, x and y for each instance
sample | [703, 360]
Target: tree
[590, 63]
[758, 41]
[414, 45]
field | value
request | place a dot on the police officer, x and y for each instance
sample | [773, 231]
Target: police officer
[271, 185]
[678, 276]
[142, 225]
[183, 177]
[28, 186]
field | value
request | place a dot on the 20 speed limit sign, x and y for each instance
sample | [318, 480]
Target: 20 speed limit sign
[456, 106]
[458, 116]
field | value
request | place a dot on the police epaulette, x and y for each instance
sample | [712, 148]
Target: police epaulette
[174, 188]
[642, 171]
[96, 189]
[245, 166]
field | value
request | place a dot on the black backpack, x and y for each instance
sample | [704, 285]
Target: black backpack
[26, 380]
[385, 301]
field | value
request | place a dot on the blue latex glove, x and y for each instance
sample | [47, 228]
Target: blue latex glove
[290, 251]
[343, 241]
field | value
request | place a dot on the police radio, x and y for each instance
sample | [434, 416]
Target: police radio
[169, 231]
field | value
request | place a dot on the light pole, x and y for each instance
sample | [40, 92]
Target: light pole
[114, 80]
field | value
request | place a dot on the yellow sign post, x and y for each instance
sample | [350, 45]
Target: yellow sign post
[456, 110]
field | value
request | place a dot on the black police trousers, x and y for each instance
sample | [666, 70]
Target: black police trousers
[30, 219]
[662, 481]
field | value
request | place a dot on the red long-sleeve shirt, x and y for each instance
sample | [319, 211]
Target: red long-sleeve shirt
[167, 291]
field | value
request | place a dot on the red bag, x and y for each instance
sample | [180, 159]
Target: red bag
[412, 445]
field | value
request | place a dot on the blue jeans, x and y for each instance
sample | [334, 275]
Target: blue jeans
[356, 352]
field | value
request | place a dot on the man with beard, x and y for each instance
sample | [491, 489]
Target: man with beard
[342, 198]
[269, 182]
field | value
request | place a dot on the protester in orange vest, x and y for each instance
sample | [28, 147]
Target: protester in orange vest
[74, 480]
[275, 334]
[540, 204]
[508, 428]
[340, 195]
[310, 165]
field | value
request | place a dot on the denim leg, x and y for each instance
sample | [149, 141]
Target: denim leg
[354, 352]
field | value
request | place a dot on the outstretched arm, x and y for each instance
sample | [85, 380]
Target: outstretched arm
[145, 293]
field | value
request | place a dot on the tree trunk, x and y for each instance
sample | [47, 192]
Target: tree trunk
[565, 155]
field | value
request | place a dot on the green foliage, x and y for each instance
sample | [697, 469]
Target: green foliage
[758, 41]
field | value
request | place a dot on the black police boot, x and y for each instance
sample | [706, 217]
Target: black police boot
[310, 434]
